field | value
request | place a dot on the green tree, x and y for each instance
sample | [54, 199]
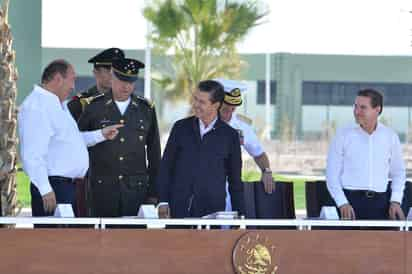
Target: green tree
[8, 113]
[199, 39]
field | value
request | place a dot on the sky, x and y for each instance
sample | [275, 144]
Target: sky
[360, 27]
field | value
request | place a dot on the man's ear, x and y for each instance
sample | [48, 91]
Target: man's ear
[379, 109]
[58, 77]
[218, 105]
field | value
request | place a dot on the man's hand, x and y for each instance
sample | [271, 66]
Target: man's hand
[49, 202]
[164, 211]
[396, 212]
[111, 132]
[268, 182]
[347, 212]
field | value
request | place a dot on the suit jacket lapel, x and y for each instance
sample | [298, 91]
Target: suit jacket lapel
[111, 110]
[196, 130]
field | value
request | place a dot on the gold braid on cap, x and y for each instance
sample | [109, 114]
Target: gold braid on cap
[103, 63]
[130, 74]
[233, 97]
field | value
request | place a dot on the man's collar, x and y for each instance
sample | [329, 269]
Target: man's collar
[212, 124]
[379, 126]
[42, 90]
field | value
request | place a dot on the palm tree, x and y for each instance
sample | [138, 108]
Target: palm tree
[8, 113]
[201, 38]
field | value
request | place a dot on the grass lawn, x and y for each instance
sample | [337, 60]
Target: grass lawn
[23, 187]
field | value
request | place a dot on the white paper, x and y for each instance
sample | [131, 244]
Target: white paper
[222, 215]
[329, 213]
[64, 211]
[148, 212]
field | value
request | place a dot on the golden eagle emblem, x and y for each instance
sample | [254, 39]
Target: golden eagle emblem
[254, 254]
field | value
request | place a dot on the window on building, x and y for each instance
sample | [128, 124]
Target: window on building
[344, 93]
[261, 92]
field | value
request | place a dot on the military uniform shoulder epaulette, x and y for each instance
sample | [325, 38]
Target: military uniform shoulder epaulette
[146, 101]
[87, 100]
[82, 94]
[77, 96]
[245, 119]
[86, 93]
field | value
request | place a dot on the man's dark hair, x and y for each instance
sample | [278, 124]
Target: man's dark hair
[217, 93]
[57, 66]
[375, 96]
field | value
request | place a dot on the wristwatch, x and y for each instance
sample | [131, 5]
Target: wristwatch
[267, 170]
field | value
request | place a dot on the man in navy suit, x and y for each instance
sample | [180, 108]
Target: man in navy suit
[201, 153]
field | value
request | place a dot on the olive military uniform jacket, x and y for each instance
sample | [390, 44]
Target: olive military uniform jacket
[122, 171]
[78, 103]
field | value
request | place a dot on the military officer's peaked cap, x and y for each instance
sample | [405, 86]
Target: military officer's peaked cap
[233, 91]
[106, 57]
[126, 69]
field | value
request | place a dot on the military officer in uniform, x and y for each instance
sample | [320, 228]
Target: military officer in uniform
[123, 171]
[248, 139]
[102, 63]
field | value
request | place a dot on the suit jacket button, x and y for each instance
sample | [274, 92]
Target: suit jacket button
[120, 177]
[121, 158]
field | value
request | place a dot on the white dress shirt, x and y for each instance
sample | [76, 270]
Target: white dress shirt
[122, 105]
[204, 129]
[250, 141]
[361, 161]
[50, 141]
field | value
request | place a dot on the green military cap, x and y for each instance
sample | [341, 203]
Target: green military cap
[106, 57]
[126, 69]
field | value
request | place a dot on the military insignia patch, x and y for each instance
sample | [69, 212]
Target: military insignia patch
[254, 254]
[235, 92]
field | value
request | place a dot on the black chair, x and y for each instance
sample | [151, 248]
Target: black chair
[317, 196]
[249, 196]
[407, 197]
[278, 205]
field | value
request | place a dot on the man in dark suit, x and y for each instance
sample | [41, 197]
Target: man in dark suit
[102, 63]
[123, 171]
[201, 153]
